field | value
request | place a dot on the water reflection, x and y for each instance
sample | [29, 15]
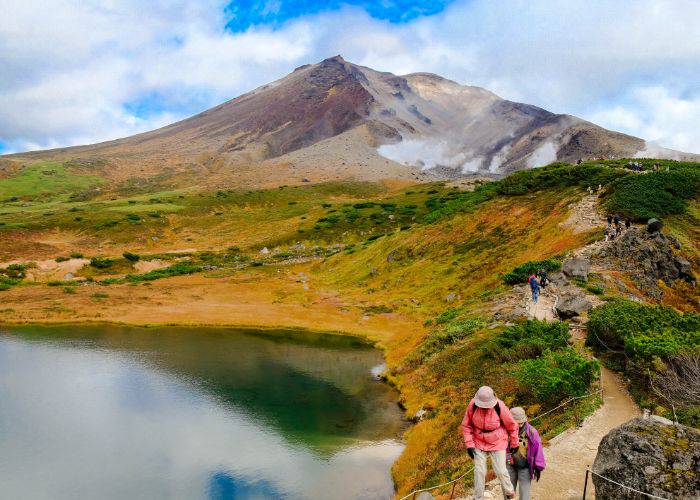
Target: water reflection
[174, 413]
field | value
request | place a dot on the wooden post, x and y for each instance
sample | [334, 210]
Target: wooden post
[452, 493]
[585, 484]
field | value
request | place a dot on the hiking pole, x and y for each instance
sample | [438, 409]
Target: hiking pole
[585, 483]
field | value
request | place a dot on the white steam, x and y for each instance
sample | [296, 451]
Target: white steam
[423, 153]
[543, 155]
[655, 150]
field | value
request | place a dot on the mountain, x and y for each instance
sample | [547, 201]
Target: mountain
[335, 119]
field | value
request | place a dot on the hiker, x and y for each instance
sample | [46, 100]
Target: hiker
[618, 230]
[488, 428]
[527, 463]
[616, 219]
[544, 279]
[609, 220]
[628, 223]
[535, 287]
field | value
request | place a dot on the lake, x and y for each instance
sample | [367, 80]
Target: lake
[116, 412]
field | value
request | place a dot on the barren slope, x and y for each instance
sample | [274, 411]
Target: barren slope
[334, 120]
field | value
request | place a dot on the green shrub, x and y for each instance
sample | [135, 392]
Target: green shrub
[101, 262]
[642, 331]
[558, 175]
[61, 259]
[132, 217]
[177, 269]
[132, 257]
[521, 273]
[556, 376]
[446, 316]
[528, 339]
[449, 334]
[4, 287]
[76, 255]
[655, 194]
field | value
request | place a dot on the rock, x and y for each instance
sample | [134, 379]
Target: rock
[154, 238]
[305, 179]
[391, 256]
[577, 267]
[451, 297]
[661, 420]
[569, 307]
[68, 276]
[424, 495]
[558, 278]
[420, 415]
[265, 251]
[649, 257]
[654, 225]
[649, 456]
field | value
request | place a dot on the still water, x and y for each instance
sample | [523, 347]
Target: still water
[114, 412]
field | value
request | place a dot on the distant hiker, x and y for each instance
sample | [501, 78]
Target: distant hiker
[527, 463]
[609, 220]
[628, 223]
[543, 278]
[618, 230]
[578, 162]
[535, 287]
[488, 428]
[616, 219]
[608, 233]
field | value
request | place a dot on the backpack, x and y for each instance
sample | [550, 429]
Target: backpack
[497, 408]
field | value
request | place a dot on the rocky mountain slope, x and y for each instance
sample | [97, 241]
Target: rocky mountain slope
[334, 120]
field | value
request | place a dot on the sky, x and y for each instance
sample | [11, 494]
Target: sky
[82, 71]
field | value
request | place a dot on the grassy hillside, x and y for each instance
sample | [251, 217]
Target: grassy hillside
[421, 270]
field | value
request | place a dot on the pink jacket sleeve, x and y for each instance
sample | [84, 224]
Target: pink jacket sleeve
[467, 429]
[510, 424]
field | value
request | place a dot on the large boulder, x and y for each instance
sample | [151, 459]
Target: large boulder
[578, 267]
[654, 225]
[651, 456]
[574, 305]
[649, 257]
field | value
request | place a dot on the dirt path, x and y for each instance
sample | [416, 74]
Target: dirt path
[544, 309]
[569, 453]
[585, 215]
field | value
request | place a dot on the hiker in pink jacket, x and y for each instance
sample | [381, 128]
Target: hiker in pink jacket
[488, 428]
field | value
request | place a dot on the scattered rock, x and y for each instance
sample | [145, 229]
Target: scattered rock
[578, 267]
[451, 297]
[575, 305]
[649, 257]
[558, 278]
[154, 238]
[649, 456]
[68, 276]
[265, 251]
[391, 256]
[420, 415]
[654, 225]
[424, 495]
[305, 179]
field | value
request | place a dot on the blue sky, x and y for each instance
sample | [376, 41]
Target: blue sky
[247, 13]
[80, 71]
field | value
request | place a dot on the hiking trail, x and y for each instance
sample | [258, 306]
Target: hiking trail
[543, 310]
[571, 452]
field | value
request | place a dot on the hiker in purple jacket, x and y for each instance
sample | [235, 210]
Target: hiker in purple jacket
[528, 462]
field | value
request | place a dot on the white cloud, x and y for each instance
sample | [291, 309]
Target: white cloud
[657, 114]
[69, 66]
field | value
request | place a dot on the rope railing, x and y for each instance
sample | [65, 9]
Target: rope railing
[589, 471]
[454, 481]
